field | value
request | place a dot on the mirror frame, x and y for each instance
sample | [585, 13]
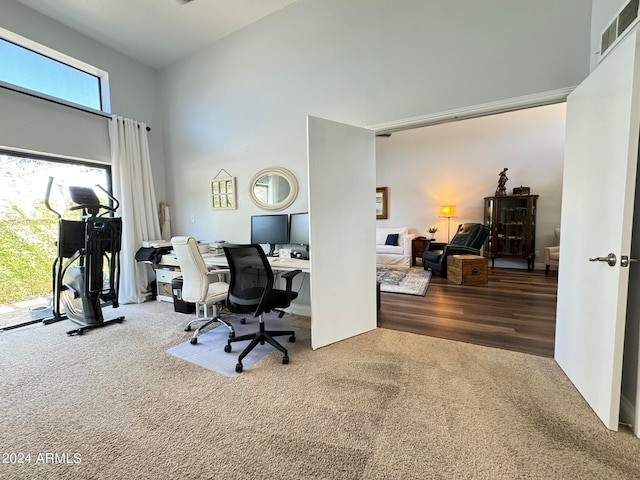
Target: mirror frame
[283, 172]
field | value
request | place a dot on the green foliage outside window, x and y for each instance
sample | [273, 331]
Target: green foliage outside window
[27, 252]
[28, 230]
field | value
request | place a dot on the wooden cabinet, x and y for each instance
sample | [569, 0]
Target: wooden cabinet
[418, 246]
[512, 221]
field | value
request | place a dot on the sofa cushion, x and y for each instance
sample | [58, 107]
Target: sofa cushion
[392, 239]
[381, 234]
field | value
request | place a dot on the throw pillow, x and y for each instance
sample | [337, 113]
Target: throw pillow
[392, 239]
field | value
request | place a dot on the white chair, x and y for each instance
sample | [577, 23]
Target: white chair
[207, 289]
[552, 254]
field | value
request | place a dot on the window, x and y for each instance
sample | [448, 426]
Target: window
[39, 69]
[28, 230]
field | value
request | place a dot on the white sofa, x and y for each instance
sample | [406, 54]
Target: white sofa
[393, 255]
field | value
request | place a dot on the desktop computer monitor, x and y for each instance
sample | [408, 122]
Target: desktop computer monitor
[271, 229]
[299, 229]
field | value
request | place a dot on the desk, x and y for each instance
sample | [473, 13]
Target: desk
[300, 306]
[213, 260]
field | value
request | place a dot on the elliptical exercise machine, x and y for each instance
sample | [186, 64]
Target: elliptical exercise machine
[87, 248]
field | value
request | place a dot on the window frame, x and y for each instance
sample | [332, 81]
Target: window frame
[54, 55]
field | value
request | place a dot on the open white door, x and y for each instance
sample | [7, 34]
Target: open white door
[342, 176]
[603, 124]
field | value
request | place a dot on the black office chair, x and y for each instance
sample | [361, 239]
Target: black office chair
[251, 292]
[468, 240]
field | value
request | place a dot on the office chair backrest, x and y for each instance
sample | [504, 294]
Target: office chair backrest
[195, 282]
[251, 281]
[470, 235]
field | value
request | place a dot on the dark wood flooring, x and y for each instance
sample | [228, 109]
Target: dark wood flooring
[516, 311]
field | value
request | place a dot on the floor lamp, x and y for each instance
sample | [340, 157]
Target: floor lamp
[448, 212]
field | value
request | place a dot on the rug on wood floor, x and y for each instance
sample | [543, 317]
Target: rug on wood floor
[410, 281]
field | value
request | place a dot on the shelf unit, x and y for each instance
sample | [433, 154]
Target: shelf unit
[163, 280]
[512, 223]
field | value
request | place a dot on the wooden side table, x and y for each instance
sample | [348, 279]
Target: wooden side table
[418, 246]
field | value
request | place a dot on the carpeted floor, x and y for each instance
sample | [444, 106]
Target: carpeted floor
[113, 404]
[410, 281]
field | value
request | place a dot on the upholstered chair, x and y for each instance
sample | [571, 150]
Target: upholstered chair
[552, 254]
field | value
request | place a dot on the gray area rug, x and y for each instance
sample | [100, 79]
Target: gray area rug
[112, 404]
[410, 281]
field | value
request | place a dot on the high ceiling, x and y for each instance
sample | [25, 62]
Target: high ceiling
[156, 32]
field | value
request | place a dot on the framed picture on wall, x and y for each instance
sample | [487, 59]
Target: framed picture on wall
[223, 193]
[381, 203]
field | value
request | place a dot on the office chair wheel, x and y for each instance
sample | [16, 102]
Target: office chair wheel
[232, 334]
[292, 339]
[194, 341]
[239, 367]
[227, 348]
[285, 360]
[187, 328]
[243, 320]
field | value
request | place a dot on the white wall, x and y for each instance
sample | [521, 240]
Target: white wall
[38, 125]
[241, 104]
[458, 163]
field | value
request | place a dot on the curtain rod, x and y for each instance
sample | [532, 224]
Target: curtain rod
[47, 98]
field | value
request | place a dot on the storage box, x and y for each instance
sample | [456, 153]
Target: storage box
[467, 269]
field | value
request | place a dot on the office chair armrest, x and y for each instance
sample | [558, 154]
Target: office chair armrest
[436, 246]
[219, 273]
[288, 277]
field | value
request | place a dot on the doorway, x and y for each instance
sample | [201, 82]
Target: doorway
[458, 163]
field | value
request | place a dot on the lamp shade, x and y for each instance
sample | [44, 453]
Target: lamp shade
[448, 211]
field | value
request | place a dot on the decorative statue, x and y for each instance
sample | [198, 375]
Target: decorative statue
[502, 182]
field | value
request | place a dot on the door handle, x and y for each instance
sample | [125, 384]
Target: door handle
[610, 259]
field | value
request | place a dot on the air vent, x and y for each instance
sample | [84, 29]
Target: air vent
[628, 15]
[620, 26]
[609, 36]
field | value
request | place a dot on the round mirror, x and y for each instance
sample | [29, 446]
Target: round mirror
[273, 188]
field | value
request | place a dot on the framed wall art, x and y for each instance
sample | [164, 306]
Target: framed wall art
[381, 203]
[223, 193]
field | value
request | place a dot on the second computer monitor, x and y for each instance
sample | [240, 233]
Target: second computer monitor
[271, 229]
[299, 229]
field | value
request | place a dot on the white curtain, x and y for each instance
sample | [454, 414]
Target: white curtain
[133, 187]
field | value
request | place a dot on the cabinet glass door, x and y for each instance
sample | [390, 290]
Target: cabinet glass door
[512, 227]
